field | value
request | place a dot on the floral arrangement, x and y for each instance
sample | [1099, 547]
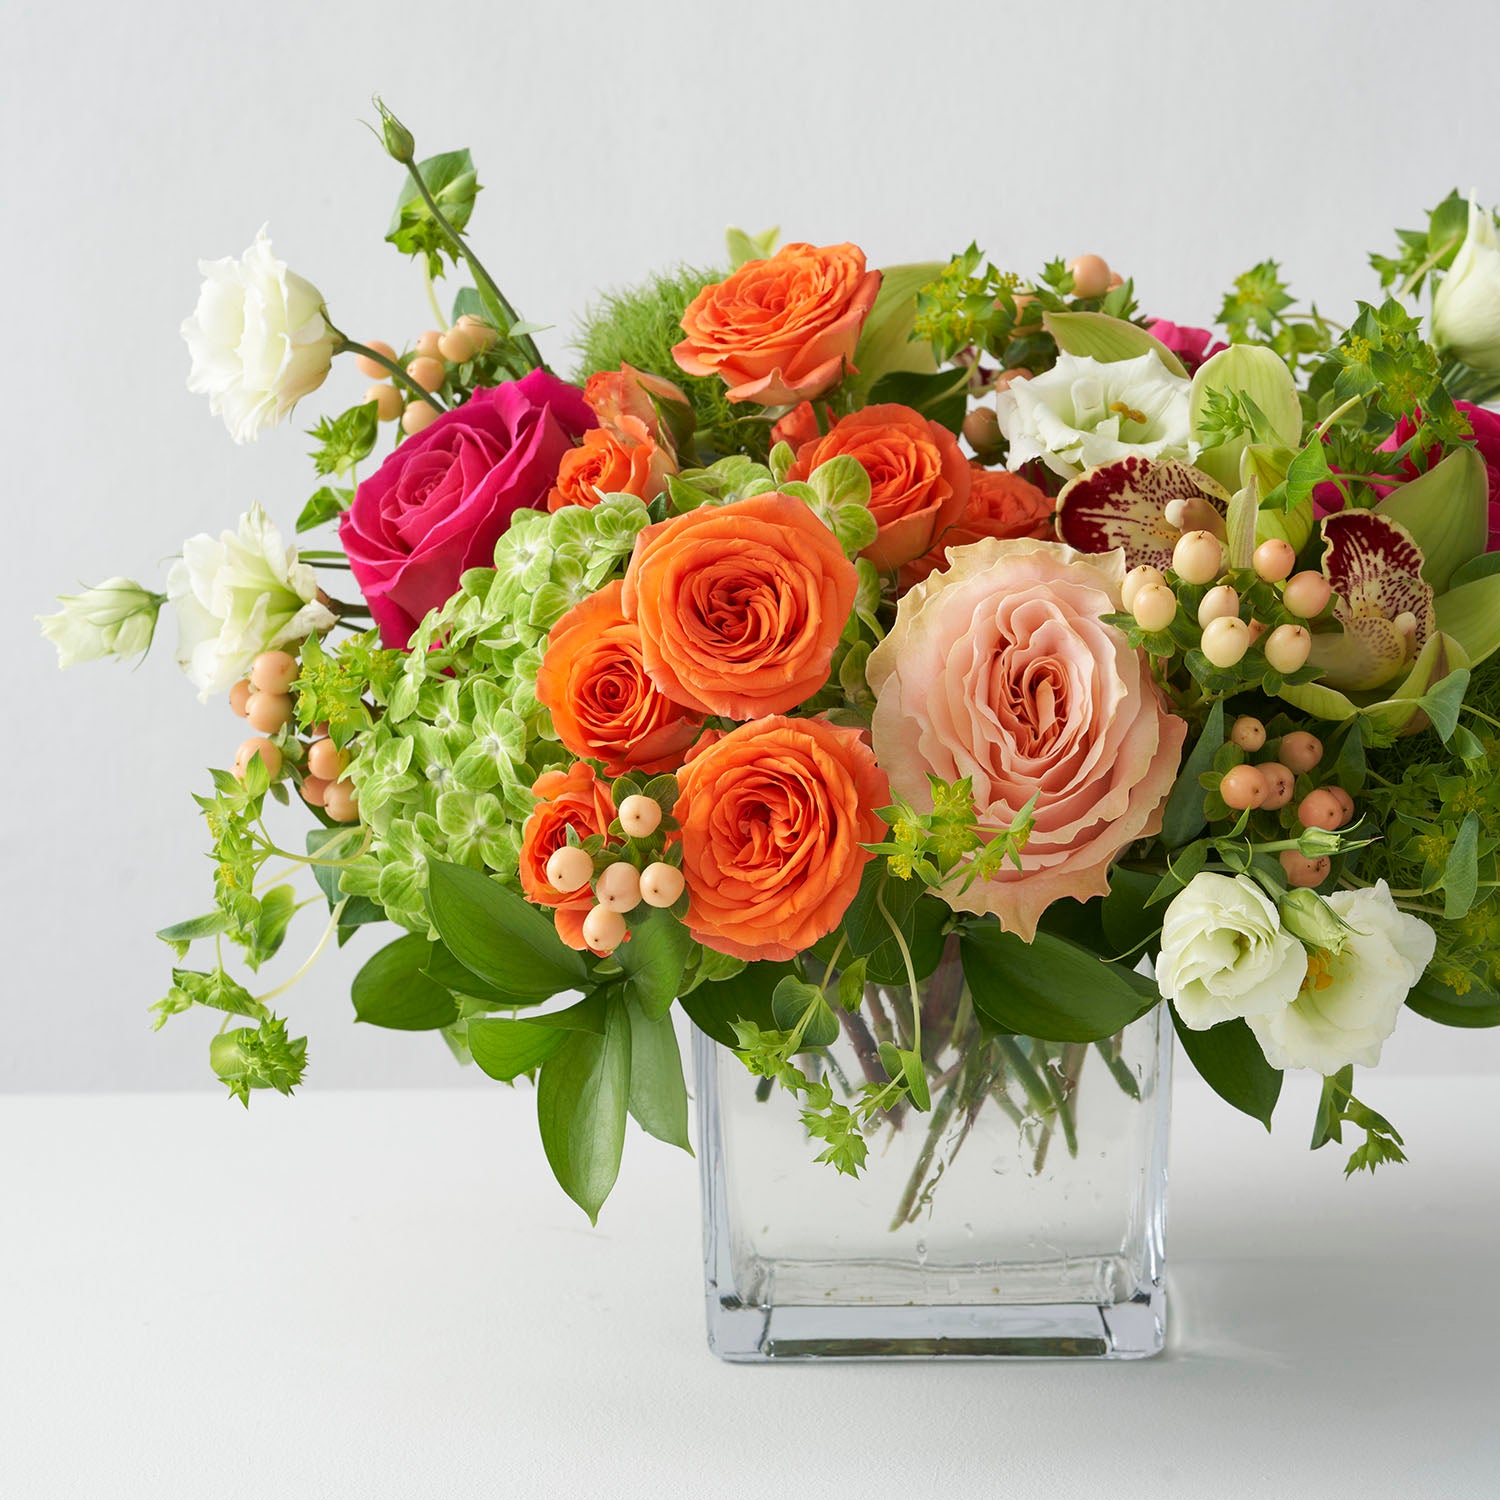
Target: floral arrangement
[836, 620]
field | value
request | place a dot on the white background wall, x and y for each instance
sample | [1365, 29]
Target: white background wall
[1183, 141]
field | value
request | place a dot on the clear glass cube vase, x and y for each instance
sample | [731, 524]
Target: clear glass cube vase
[1022, 1216]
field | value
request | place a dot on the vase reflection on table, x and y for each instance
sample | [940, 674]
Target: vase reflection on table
[1021, 1216]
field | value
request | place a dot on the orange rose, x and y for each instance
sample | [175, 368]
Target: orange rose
[919, 478]
[1001, 504]
[603, 705]
[575, 797]
[613, 395]
[782, 329]
[773, 816]
[740, 606]
[622, 460]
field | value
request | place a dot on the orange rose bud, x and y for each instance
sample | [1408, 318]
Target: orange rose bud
[740, 606]
[611, 461]
[578, 798]
[800, 425]
[919, 478]
[614, 395]
[1001, 504]
[604, 706]
[773, 815]
[784, 329]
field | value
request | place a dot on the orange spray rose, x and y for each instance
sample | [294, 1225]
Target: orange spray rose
[575, 797]
[613, 395]
[1001, 504]
[919, 478]
[740, 606]
[604, 706]
[620, 460]
[783, 329]
[773, 815]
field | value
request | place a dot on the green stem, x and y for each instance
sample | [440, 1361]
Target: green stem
[310, 960]
[487, 282]
[911, 973]
[432, 301]
[346, 345]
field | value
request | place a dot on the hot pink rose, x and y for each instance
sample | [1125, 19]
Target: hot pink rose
[1486, 427]
[443, 499]
[1001, 669]
[1193, 346]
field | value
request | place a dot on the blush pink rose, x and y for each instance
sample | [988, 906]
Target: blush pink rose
[1001, 669]
[443, 499]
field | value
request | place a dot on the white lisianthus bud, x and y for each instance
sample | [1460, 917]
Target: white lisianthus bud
[1349, 1003]
[1466, 306]
[237, 596]
[258, 339]
[1224, 953]
[118, 618]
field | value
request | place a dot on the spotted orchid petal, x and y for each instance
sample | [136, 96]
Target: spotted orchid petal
[1385, 606]
[1124, 504]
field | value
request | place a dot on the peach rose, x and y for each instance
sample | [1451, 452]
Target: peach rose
[801, 425]
[919, 478]
[1001, 669]
[740, 606]
[783, 329]
[1001, 504]
[613, 395]
[603, 705]
[575, 797]
[773, 815]
[620, 460]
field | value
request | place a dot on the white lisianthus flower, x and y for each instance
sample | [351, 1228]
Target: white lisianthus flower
[238, 596]
[1351, 999]
[1224, 953]
[258, 339]
[1083, 412]
[118, 618]
[1466, 305]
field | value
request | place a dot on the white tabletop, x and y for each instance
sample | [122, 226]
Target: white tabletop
[383, 1294]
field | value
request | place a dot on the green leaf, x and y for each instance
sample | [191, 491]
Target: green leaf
[1461, 872]
[653, 961]
[505, 1047]
[326, 504]
[1328, 1122]
[1051, 988]
[1130, 922]
[658, 1093]
[1099, 336]
[885, 343]
[715, 1007]
[1470, 613]
[499, 935]
[582, 1096]
[453, 183]
[794, 998]
[915, 1075]
[942, 398]
[181, 935]
[1477, 1006]
[1442, 703]
[919, 918]
[446, 970]
[1184, 815]
[393, 990]
[1447, 512]
[852, 985]
[744, 247]
[1233, 1066]
[277, 908]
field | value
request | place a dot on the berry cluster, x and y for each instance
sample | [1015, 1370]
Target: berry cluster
[621, 884]
[427, 366]
[266, 699]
